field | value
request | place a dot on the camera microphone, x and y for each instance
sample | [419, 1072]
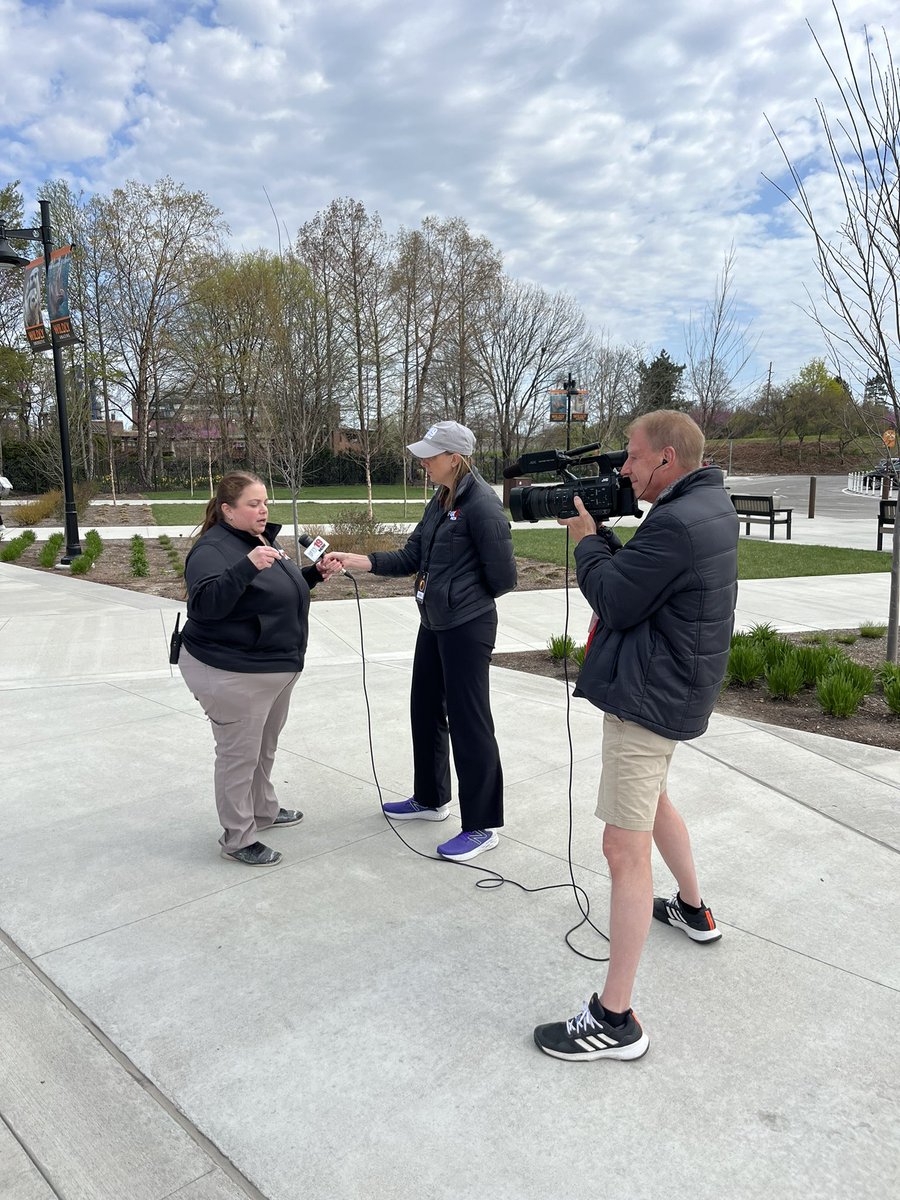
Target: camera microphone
[513, 470]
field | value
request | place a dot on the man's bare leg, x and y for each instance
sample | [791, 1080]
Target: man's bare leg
[674, 844]
[630, 910]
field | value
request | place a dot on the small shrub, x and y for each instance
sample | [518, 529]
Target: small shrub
[846, 639]
[746, 663]
[870, 630]
[36, 510]
[861, 677]
[763, 632]
[175, 560]
[892, 693]
[775, 650]
[355, 530]
[10, 551]
[140, 568]
[93, 543]
[50, 550]
[785, 677]
[578, 656]
[838, 695]
[85, 490]
[887, 672]
[815, 638]
[816, 662]
[560, 647]
[81, 565]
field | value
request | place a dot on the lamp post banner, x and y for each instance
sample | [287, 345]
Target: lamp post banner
[58, 296]
[35, 329]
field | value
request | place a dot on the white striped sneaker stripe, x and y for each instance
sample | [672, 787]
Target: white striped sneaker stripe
[596, 1042]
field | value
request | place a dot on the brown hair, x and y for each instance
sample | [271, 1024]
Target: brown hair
[228, 492]
[463, 467]
[668, 427]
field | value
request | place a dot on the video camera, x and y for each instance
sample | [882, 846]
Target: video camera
[604, 495]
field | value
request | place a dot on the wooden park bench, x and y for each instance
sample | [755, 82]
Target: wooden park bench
[762, 508]
[887, 515]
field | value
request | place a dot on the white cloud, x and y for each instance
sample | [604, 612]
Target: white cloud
[614, 150]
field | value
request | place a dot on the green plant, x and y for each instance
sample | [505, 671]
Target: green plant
[846, 639]
[869, 629]
[10, 551]
[50, 550]
[39, 509]
[140, 568]
[816, 638]
[785, 677]
[816, 661]
[578, 656]
[763, 632]
[887, 672]
[93, 544]
[746, 663]
[175, 560]
[775, 650]
[861, 677]
[838, 695]
[892, 693]
[561, 646]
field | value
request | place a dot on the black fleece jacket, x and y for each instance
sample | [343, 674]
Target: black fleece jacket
[240, 618]
[665, 603]
[467, 553]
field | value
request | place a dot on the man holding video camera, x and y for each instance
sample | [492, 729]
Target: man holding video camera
[665, 612]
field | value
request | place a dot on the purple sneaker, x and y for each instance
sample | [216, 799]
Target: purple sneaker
[412, 810]
[467, 845]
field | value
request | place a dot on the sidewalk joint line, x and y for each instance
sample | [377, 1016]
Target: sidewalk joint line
[209, 1148]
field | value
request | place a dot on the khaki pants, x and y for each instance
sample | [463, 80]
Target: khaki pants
[247, 712]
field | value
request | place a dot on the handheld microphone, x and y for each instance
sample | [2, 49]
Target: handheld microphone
[313, 548]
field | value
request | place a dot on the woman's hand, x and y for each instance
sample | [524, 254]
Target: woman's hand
[329, 565]
[353, 562]
[263, 556]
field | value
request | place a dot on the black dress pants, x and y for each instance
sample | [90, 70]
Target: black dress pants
[450, 704]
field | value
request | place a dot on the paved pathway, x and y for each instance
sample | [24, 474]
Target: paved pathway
[356, 1022]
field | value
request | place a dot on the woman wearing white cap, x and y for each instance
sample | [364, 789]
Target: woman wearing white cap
[462, 556]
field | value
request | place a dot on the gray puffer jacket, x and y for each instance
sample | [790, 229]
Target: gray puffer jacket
[665, 603]
[467, 553]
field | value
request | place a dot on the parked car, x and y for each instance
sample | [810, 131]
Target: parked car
[889, 468]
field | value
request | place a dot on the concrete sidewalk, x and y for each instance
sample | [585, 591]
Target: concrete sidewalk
[357, 1022]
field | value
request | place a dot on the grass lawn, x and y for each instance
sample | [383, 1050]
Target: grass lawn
[308, 514]
[348, 492]
[756, 560]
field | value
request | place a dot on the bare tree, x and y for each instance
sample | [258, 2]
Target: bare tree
[528, 340]
[154, 234]
[718, 351]
[859, 262]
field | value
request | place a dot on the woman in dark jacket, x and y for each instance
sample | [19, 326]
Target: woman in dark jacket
[461, 554]
[242, 653]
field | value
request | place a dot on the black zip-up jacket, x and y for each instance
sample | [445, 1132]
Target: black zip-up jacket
[665, 603]
[240, 618]
[467, 553]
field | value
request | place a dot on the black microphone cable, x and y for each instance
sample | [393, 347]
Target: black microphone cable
[495, 879]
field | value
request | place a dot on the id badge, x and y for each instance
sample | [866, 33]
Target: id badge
[421, 583]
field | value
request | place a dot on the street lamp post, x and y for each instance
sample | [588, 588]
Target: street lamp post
[9, 258]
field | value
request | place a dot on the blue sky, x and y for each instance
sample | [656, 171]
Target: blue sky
[614, 149]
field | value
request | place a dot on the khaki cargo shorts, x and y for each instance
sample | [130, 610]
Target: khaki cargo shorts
[635, 771]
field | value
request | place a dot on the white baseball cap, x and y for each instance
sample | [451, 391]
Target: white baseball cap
[445, 437]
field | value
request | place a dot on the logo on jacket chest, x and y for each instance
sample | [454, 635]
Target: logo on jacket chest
[454, 514]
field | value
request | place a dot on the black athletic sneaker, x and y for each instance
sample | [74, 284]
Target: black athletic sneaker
[585, 1036]
[254, 855]
[699, 926]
